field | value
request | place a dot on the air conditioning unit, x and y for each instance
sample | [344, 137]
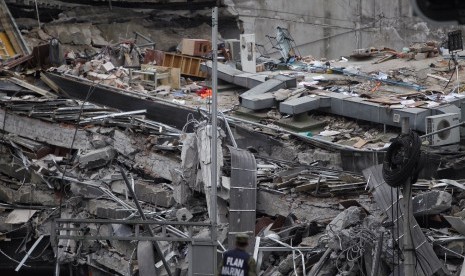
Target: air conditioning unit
[438, 122]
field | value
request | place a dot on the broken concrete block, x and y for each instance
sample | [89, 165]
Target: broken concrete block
[111, 260]
[431, 203]
[154, 194]
[189, 156]
[98, 143]
[107, 67]
[157, 165]
[282, 94]
[181, 190]
[87, 67]
[351, 216]
[421, 56]
[43, 35]
[106, 209]
[123, 143]
[183, 214]
[32, 195]
[96, 158]
[85, 191]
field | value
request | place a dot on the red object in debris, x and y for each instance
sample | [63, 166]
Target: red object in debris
[378, 85]
[204, 92]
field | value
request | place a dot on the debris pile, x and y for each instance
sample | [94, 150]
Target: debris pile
[112, 170]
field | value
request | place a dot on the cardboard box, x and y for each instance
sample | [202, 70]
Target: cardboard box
[196, 47]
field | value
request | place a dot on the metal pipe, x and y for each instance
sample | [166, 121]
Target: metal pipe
[112, 115]
[379, 250]
[441, 130]
[142, 215]
[214, 145]
[409, 249]
[317, 267]
[29, 253]
[231, 136]
[37, 11]
[143, 36]
[293, 249]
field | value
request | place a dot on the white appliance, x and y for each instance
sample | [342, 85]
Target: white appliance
[248, 55]
[234, 46]
[438, 122]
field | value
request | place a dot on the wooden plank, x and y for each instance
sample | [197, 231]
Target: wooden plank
[310, 186]
[175, 76]
[33, 88]
[360, 143]
[438, 77]
[383, 101]
[52, 85]
[417, 104]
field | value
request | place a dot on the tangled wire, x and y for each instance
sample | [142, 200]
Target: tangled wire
[403, 160]
[361, 239]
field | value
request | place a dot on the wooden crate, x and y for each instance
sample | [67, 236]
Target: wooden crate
[189, 66]
[196, 47]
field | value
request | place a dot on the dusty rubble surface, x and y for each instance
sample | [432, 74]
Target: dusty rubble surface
[68, 159]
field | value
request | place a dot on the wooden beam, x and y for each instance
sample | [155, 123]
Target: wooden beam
[31, 87]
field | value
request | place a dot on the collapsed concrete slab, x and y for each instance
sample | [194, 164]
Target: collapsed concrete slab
[53, 134]
[96, 158]
[431, 203]
[154, 194]
[28, 195]
[106, 209]
[149, 161]
[304, 207]
[157, 165]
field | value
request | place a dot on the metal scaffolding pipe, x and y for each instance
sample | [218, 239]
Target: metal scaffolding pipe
[142, 215]
[214, 129]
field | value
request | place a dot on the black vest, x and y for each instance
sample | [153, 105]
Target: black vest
[235, 263]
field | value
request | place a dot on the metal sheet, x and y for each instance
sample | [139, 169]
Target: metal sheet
[146, 259]
[386, 198]
[198, 254]
[457, 223]
[18, 216]
[243, 195]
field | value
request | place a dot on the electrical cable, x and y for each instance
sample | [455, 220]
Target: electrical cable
[403, 160]
[451, 76]
[291, 13]
[392, 227]
[398, 229]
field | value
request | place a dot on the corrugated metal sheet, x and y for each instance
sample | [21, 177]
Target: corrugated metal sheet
[243, 195]
[386, 198]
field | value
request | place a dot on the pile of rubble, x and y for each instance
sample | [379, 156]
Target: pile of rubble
[119, 181]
